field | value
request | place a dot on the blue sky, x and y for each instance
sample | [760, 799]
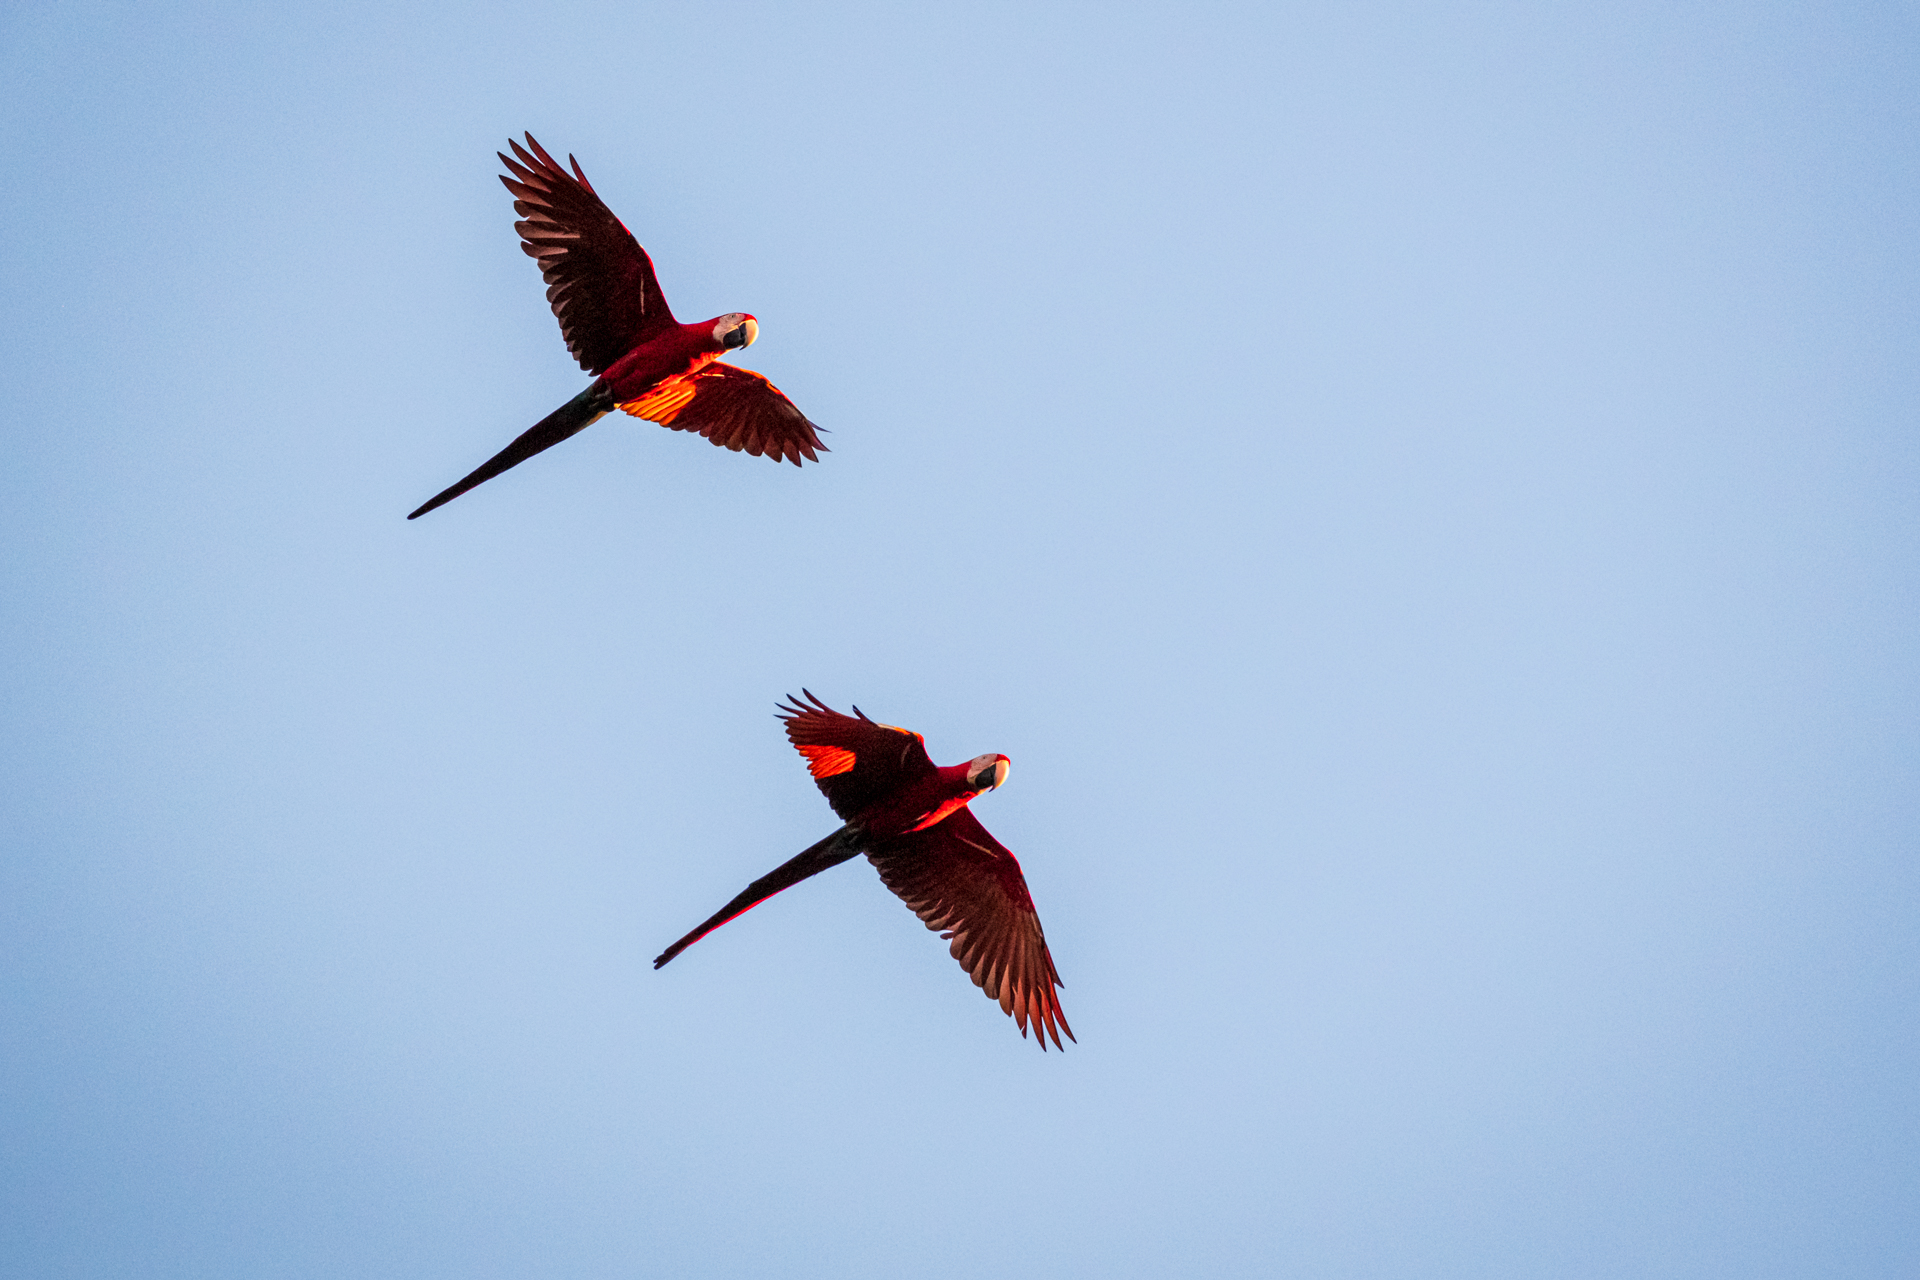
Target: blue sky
[1424, 495]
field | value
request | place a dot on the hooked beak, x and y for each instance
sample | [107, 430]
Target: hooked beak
[741, 335]
[990, 779]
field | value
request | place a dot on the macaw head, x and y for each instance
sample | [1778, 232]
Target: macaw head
[984, 773]
[735, 330]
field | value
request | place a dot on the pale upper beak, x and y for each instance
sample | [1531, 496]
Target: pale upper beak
[988, 779]
[741, 335]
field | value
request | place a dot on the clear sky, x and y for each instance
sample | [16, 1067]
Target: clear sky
[1425, 496]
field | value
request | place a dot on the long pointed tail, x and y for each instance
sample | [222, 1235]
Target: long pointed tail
[831, 852]
[570, 418]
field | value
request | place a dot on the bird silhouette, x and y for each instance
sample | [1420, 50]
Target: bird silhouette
[910, 817]
[616, 323]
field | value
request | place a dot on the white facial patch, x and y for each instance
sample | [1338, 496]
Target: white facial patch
[986, 771]
[733, 320]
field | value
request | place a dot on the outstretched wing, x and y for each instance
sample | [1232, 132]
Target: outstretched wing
[854, 760]
[599, 280]
[967, 887]
[735, 408]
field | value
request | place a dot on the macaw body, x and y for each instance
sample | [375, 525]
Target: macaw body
[911, 818]
[682, 350]
[920, 805]
[617, 324]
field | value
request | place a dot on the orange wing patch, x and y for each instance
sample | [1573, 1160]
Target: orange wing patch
[663, 404]
[824, 761]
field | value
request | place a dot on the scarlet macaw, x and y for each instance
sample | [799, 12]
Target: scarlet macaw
[912, 821]
[617, 325]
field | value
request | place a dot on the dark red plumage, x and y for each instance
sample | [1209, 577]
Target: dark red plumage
[616, 322]
[910, 817]
[967, 887]
[735, 408]
[856, 762]
[600, 282]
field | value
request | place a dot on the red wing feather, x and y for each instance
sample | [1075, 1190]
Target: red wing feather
[599, 280]
[967, 887]
[854, 760]
[736, 409]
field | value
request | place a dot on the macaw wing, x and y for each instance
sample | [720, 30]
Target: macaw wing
[736, 409]
[854, 761]
[967, 887]
[599, 280]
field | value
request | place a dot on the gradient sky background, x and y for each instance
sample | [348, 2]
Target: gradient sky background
[1425, 495]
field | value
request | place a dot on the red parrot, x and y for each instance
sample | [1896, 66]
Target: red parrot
[911, 819]
[616, 323]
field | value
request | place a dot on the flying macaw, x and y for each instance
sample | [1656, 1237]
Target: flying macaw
[911, 819]
[616, 323]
